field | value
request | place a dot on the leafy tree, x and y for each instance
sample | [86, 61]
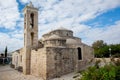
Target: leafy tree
[104, 51]
[99, 47]
[98, 44]
[6, 51]
[115, 49]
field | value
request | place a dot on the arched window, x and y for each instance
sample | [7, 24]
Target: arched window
[79, 53]
[32, 38]
[32, 20]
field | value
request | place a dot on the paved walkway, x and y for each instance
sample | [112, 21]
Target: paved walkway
[7, 73]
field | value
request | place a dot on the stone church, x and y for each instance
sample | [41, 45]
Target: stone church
[57, 53]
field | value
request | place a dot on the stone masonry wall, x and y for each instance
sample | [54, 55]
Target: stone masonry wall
[60, 61]
[55, 42]
[15, 59]
[38, 63]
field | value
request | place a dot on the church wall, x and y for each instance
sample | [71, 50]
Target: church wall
[77, 39]
[60, 61]
[86, 53]
[38, 62]
[19, 61]
[55, 42]
[15, 58]
[88, 56]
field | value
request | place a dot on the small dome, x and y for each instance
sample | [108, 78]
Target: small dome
[72, 41]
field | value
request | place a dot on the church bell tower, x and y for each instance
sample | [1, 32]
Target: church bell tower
[30, 34]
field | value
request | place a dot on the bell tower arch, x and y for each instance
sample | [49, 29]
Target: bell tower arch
[30, 34]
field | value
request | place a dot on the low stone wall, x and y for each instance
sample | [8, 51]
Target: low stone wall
[104, 61]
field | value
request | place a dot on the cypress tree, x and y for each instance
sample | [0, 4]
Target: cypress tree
[6, 51]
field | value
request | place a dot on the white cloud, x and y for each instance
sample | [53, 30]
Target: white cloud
[9, 13]
[109, 34]
[18, 34]
[11, 43]
[80, 10]
[71, 12]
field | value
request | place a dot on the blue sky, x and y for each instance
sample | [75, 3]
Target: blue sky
[90, 20]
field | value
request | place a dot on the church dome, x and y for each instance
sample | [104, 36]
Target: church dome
[54, 36]
[55, 40]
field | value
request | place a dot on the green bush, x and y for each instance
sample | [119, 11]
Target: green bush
[108, 72]
[103, 73]
[117, 77]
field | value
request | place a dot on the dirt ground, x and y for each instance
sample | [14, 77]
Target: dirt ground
[7, 73]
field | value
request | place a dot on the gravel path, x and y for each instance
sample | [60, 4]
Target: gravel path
[7, 73]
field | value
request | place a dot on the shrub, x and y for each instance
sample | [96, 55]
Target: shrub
[103, 73]
[108, 72]
[117, 77]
